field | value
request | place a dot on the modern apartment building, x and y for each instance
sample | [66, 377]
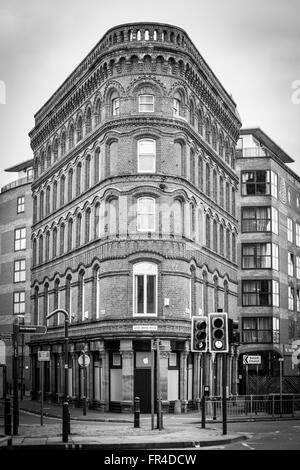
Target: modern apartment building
[134, 223]
[15, 264]
[269, 260]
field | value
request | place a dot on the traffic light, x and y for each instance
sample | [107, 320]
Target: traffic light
[199, 336]
[233, 331]
[218, 332]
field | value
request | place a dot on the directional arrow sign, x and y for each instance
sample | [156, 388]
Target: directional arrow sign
[251, 359]
[32, 329]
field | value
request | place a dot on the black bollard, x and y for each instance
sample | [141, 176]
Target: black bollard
[65, 424]
[136, 412]
[7, 417]
[215, 410]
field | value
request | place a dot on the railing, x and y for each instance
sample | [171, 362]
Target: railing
[255, 406]
[17, 183]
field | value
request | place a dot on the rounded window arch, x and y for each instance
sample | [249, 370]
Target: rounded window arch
[79, 129]
[178, 103]
[146, 155]
[145, 289]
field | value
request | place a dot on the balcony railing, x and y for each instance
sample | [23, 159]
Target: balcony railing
[16, 183]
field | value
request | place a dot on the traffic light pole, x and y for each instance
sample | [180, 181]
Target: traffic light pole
[224, 383]
[15, 377]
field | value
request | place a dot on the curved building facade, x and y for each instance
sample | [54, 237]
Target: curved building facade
[134, 217]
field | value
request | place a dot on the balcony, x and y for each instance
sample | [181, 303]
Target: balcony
[16, 183]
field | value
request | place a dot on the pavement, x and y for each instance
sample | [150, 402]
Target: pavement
[115, 431]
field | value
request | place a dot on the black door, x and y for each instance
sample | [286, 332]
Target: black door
[142, 388]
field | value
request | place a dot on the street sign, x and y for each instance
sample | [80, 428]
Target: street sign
[32, 329]
[251, 359]
[44, 355]
[86, 360]
[2, 353]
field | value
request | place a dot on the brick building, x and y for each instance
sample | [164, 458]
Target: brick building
[269, 260]
[15, 248]
[134, 217]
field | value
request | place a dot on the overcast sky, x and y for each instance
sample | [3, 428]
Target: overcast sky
[253, 47]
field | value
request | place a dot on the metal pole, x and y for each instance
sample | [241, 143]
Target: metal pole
[224, 401]
[65, 430]
[15, 377]
[247, 380]
[203, 407]
[203, 412]
[280, 384]
[83, 384]
[22, 363]
[159, 423]
[42, 392]
[4, 381]
[152, 384]
[257, 382]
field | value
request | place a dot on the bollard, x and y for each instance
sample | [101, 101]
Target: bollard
[65, 426]
[7, 417]
[214, 410]
[203, 412]
[136, 412]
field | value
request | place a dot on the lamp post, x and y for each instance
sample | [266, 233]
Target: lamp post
[65, 416]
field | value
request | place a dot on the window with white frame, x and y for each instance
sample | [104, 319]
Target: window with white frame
[290, 264]
[19, 302]
[146, 156]
[176, 107]
[274, 184]
[20, 204]
[145, 289]
[146, 103]
[290, 236]
[275, 221]
[289, 197]
[298, 300]
[146, 214]
[20, 239]
[290, 298]
[116, 107]
[20, 270]
[276, 330]
[298, 267]
[275, 293]
[297, 234]
[297, 202]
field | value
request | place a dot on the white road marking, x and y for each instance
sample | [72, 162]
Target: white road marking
[246, 445]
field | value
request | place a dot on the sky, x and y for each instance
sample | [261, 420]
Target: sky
[253, 47]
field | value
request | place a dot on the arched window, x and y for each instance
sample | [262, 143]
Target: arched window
[146, 103]
[214, 138]
[178, 218]
[34, 252]
[87, 172]
[204, 293]
[233, 248]
[88, 121]
[54, 196]
[146, 156]
[193, 220]
[146, 214]
[48, 156]
[70, 234]
[226, 292]
[62, 190]
[145, 289]
[41, 249]
[62, 239]
[200, 122]
[63, 143]
[48, 200]
[200, 173]
[227, 197]
[221, 191]
[54, 243]
[192, 113]
[56, 301]
[87, 230]
[81, 296]
[97, 166]
[192, 299]
[115, 104]
[207, 179]
[207, 231]
[215, 186]
[78, 230]
[233, 201]
[232, 158]
[226, 152]
[221, 240]
[96, 293]
[46, 303]
[97, 220]
[221, 145]
[42, 205]
[177, 104]
[34, 209]
[47, 250]
[42, 162]
[192, 166]
[216, 294]
[79, 129]
[70, 185]
[215, 236]
[207, 130]
[68, 297]
[36, 306]
[78, 179]
[71, 136]
[98, 112]
[55, 149]
[228, 243]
